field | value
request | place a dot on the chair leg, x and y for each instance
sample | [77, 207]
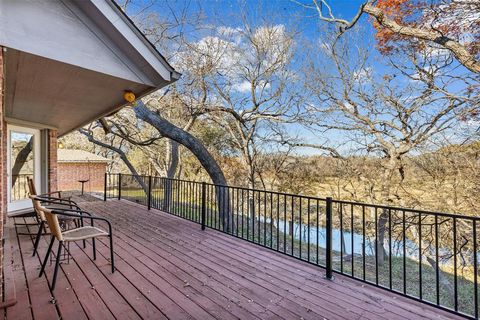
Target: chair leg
[37, 239]
[111, 253]
[81, 225]
[94, 249]
[47, 255]
[57, 264]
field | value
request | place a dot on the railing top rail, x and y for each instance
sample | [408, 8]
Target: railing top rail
[354, 203]
[412, 210]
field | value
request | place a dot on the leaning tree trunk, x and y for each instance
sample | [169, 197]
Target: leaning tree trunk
[382, 219]
[169, 130]
[20, 160]
[172, 164]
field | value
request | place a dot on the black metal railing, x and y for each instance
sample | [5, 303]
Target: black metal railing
[428, 256]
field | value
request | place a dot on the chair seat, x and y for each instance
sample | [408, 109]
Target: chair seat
[83, 233]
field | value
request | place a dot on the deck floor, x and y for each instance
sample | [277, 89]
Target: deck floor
[167, 268]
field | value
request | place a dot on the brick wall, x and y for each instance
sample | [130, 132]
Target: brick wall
[70, 172]
[3, 168]
[52, 160]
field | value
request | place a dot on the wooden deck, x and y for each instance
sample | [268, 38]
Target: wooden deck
[167, 268]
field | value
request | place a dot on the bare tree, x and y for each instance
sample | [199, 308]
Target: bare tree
[383, 115]
[448, 24]
[248, 70]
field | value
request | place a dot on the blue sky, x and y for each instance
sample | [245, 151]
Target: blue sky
[282, 12]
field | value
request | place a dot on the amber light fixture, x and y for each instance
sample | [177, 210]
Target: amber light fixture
[60, 145]
[129, 96]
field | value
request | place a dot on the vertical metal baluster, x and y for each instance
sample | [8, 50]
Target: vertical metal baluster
[308, 230]
[300, 227]
[318, 231]
[404, 231]
[189, 201]
[352, 239]
[149, 196]
[243, 215]
[213, 223]
[340, 206]
[475, 268]
[364, 252]
[248, 214]
[328, 243]
[437, 269]
[278, 221]
[264, 218]
[271, 220]
[204, 205]
[285, 223]
[182, 199]
[390, 248]
[236, 227]
[420, 257]
[253, 215]
[293, 227]
[455, 284]
[259, 215]
[376, 245]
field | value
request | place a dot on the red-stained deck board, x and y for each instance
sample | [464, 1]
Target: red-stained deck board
[356, 301]
[167, 268]
[254, 292]
[262, 289]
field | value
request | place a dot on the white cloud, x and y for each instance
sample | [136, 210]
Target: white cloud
[246, 86]
[363, 75]
[242, 87]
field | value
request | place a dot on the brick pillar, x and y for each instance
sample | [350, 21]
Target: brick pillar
[3, 167]
[52, 161]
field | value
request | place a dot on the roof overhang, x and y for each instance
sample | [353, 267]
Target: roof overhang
[68, 63]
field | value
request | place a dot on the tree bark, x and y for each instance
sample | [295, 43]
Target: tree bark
[172, 165]
[168, 130]
[459, 51]
[20, 160]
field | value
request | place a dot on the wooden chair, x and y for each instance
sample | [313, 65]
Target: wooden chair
[72, 235]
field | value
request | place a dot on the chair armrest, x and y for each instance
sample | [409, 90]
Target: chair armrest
[54, 200]
[59, 193]
[79, 213]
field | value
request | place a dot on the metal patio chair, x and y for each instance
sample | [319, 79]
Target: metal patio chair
[48, 200]
[76, 234]
[32, 190]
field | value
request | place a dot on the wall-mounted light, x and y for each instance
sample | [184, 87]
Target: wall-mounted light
[60, 145]
[129, 96]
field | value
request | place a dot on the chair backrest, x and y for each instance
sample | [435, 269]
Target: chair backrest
[50, 218]
[31, 186]
[36, 206]
[32, 193]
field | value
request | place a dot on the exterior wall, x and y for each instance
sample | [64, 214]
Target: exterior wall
[52, 161]
[69, 173]
[3, 168]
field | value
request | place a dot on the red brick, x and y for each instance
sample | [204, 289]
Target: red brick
[69, 173]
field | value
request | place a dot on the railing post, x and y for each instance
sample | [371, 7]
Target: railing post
[328, 249]
[105, 188]
[204, 204]
[149, 195]
[119, 186]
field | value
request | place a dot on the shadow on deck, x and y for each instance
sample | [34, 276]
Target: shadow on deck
[168, 268]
